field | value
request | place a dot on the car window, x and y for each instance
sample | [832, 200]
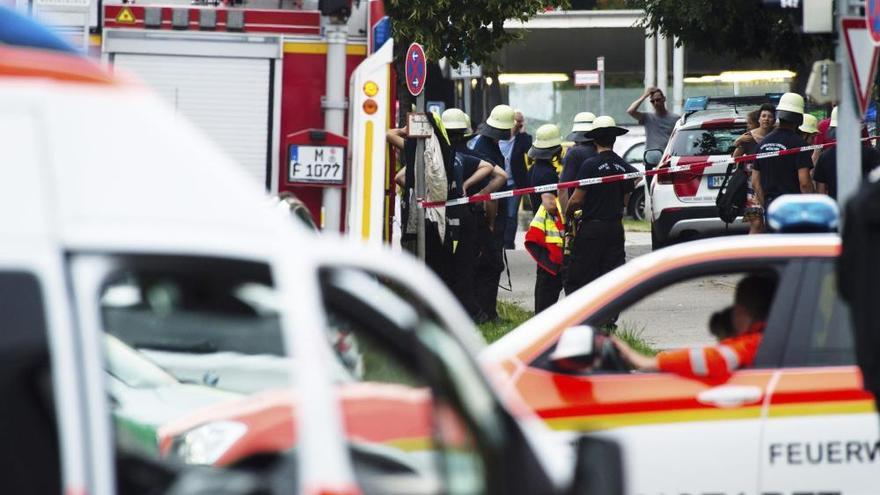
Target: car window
[823, 329]
[394, 404]
[704, 142]
[635, 154]
[684, 312]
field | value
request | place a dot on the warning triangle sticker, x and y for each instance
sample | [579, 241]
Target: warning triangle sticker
[125, 16]
[862, 58]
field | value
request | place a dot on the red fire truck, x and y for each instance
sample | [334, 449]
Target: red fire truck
[269, 83]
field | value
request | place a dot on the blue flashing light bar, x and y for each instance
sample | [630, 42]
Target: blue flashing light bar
[803, 213]
[19, 30]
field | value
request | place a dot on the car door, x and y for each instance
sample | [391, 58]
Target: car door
[679, 435]
[821, 434]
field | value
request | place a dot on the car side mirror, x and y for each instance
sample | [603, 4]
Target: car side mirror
[598, 467]
[576, 349]
[652, 158]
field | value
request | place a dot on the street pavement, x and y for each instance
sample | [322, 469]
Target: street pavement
[675, 317]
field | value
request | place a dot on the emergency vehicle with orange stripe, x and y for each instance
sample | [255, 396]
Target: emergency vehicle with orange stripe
[795, 420]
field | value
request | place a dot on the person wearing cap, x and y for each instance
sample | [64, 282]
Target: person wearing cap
[546, 148]
[784, 174]
[471, 176]
[490, 262]
[576, 155]
[599, 239]
[514, 150]
[659, 124]
[825, 173]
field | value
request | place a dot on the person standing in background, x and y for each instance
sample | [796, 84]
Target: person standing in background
[599, 238]
[759, 122]
[544, 237]
[784, 174]
[659, 124]
[514, 151]
[576, 155]
[490, 263]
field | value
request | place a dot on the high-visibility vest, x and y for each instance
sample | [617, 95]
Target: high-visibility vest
[714, 362]
[544, 239]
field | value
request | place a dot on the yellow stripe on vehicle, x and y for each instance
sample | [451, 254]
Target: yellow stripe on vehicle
[368, 180]
[611, 421]
[411, 444]
[321, 48]
[822, 408]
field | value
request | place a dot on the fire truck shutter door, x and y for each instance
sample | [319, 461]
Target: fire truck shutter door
[227, 98]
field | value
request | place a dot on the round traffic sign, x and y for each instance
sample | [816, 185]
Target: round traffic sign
[416, 70]
[872, 17]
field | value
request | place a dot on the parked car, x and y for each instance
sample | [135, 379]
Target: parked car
[796, 421]
[682, 205]
[631, 147]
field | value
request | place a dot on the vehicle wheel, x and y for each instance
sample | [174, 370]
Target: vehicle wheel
[656, 241]
[636, 206]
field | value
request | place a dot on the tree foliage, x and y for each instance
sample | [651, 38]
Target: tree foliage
[460, 30]
[742, 28]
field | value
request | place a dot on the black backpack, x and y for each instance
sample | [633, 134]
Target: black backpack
[731, 200]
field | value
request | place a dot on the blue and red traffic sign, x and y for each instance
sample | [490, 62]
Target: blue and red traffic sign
[872, 17]
[416, 70]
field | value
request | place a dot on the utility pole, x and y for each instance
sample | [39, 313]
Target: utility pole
[334, 104]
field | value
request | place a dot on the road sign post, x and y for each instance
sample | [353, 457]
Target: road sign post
[416, 73]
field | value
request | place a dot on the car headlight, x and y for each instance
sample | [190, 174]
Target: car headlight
[207, 443]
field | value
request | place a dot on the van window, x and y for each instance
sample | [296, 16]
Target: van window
[30, 435]
[194, 358]
[830, 340]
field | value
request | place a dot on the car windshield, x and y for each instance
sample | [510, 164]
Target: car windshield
[705, 142]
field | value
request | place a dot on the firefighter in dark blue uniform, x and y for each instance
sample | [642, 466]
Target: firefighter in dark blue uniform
[471, 176]
[490, 263]
[599, 239]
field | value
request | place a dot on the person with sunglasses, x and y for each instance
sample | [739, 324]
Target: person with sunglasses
[659, 124]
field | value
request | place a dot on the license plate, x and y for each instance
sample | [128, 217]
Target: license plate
[316, 164]
[715, 181]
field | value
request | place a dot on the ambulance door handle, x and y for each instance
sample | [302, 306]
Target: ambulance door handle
[727, 396]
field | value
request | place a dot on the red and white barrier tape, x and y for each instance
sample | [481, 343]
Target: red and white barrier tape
[477, 198]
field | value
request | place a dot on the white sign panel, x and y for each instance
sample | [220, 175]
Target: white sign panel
[586, 78]
[418, 125]
[317, 164]
[465, 71]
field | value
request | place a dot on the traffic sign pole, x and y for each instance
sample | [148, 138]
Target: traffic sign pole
[416, 72]
[420, 185]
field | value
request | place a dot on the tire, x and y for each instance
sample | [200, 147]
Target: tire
[636, 206]
[657, 241]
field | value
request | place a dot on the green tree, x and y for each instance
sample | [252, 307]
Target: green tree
[460, 30]
[741, 28]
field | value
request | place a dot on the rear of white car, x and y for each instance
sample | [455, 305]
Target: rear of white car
[683, 203]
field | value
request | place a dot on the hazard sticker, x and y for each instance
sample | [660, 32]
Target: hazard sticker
[125, 16]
